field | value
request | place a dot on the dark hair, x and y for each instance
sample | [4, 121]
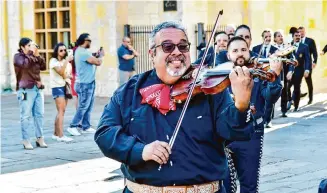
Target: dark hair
[264, 31]
[276, 32]
[292, 30]
[81, 39]
[296, 32]
[236, 38]
[243, 26]
[301, 27]
[22, 43]
[56, 49]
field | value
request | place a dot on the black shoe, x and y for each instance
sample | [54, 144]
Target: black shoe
[284, 115]
[310, 102]
[268, 125]
[296, 109]
[303, 95]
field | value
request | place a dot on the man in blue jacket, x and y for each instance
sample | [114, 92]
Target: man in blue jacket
[245, 156]
[139, 121]
[217, 53]
[303, 69]
[265, 50]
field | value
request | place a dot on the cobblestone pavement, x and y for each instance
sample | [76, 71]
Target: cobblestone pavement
[293, 160]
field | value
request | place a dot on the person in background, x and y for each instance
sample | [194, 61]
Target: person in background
[73, 47]
[126, 57]
[290, 35]
[230, 30]
[324, 50]
[59, 65]
[28, 63]
[217, 53]
[86, 65]
[313, 59]
[279, 43]
[303, 69]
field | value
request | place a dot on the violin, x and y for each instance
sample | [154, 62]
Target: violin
[215, 80]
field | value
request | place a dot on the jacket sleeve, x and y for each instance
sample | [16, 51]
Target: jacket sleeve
[231, 124]
[41, 62]
[314, 51]
[113, 140]
[21, 61]
[307, 64]
[271, 91]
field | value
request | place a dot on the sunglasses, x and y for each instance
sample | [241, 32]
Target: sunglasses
[170, 47]
[62, 50]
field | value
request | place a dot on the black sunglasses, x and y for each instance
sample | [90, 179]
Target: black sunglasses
[168, 47]
[62, 50]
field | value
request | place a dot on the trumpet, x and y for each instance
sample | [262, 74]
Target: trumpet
[291, 61]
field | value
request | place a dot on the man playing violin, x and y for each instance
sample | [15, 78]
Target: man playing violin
[136, 133]
[245, 156]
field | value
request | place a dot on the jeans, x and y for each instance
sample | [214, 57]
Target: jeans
[34, 104]
[244, 158]
[85, 92]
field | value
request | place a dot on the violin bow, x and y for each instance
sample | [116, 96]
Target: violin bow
[179, 122]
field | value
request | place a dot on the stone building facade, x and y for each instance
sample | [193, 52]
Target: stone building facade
[105, 21]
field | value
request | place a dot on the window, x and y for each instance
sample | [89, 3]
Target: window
[54, 22]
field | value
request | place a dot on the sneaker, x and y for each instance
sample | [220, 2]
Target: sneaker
[89, 130]
[54, 137]
[73, 131]
[64, 138]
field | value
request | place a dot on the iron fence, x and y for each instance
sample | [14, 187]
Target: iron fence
[140, 40]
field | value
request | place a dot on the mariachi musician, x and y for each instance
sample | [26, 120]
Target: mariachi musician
[244, 157]
[217, 53]
[135, 132]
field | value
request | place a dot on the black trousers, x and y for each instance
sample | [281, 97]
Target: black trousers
[310, 86]
[296, 82]
[285, 97]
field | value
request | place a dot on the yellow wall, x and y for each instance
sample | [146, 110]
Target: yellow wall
[104, 20]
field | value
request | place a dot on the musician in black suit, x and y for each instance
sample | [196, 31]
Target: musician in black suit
[279, 43]
[313, 54]
[303, 57]
[264, 51]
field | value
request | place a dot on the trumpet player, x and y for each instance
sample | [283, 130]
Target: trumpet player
[279, 43]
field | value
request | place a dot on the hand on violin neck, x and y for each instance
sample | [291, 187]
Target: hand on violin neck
[242, 85]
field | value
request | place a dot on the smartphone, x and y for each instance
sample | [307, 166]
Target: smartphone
[70, 52]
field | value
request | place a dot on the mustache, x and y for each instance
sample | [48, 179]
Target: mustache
[240, 57]
[180, 57]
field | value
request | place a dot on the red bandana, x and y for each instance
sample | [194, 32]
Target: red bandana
[158, 95]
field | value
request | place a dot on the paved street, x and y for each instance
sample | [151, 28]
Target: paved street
[293, 161]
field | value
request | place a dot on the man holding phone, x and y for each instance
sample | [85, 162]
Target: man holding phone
[126, 57]
[85, 64]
